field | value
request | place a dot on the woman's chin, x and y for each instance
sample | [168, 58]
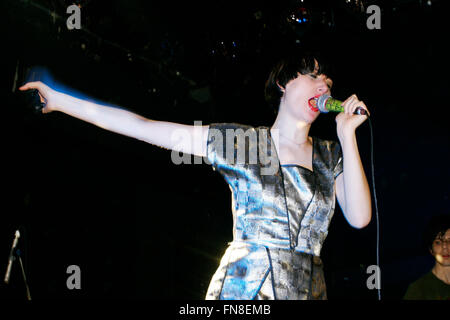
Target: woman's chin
[312, 114]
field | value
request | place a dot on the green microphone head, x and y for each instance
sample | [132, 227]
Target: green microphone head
[326, 103]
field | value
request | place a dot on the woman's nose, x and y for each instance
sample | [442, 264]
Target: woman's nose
[322, 87]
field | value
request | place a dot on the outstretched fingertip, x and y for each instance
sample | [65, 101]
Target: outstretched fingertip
[25, 86]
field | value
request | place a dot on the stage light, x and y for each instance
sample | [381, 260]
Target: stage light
[299, 15]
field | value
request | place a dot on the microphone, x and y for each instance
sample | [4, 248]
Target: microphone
[11, 256]
[325, 103]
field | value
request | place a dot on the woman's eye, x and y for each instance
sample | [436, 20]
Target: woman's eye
[314, 76]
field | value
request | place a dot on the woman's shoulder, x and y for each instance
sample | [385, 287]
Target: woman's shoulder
[328, 152]
[326, 142]
[234, 129]
[229, 125]
[327, 146]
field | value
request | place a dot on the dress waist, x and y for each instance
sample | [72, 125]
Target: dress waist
[270, 244]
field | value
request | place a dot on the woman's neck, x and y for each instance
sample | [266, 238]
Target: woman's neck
[291, 129]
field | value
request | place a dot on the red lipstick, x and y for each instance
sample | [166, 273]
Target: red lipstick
[312, 103]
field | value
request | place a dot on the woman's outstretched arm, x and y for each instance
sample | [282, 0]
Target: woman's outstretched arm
[174, 136]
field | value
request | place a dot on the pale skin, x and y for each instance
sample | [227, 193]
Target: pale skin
[293, 121]
[441, 253]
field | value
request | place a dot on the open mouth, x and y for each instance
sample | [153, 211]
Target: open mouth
[312, 103]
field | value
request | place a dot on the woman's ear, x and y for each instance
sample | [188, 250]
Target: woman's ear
[280, 87]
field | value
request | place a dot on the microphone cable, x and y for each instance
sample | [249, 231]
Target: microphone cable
[376, 210]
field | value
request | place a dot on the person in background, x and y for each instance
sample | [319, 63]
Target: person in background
[435, 285]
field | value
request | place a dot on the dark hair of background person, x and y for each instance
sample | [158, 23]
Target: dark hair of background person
[437, 226]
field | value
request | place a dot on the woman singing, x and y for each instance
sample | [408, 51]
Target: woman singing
[281, 216]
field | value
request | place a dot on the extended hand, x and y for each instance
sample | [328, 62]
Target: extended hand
[46, 94]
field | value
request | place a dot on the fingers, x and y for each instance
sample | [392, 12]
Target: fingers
[352, 103]
[35, 85]
[349, 104]
[27, 86]
[339, 116]
[31, 85]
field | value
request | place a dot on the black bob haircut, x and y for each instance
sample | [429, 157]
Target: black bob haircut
[287, 68]
[437, 226]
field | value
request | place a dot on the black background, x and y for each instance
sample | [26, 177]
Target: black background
[140, 226]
